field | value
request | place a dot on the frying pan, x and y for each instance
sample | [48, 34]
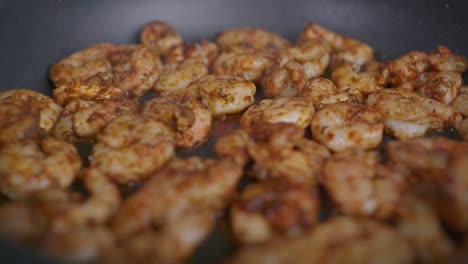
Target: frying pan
[37, 33]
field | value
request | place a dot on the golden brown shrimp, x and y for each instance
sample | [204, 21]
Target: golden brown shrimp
[287, 78]
[205, 51]
[364, 78]
[338, 240]
[440, 86]
[344, 125]
[294, 110]
[179, 75]
[181, 187]
[233, 146]
[26, 114]
[407, 114]
[160, 36]
[313, 55]
[461, 101]
[131, 147]
[28, 166]
[82, 119]
[360, 186]
[224, 95]
[187, 117]
[444, 60]
[273, 209]
[405, 69]
[442, 164]
[255, 38]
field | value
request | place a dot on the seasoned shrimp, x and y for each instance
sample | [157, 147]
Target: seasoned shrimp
[404, 69]
[442, 59]
[233, 146]
[338, 240]
[226, 94]
[441, 163]
[173, 243]
[160, 36]
[204, 51]
[129, 71]
[407, 114]
[187, 117]
[294, 110]
[181, 187]
[27, 166]
[272, 209]
[344, 125]
[344, 49]
[131, 147]
[360, 186]
[243, 63]
[255, 38]
[82, 119]
[178, 75]
[26, 114]
[440, 86]
[287, 78]
[420, 226]
[461, 101]
[364, 78]
[313, 55]
[281, 151]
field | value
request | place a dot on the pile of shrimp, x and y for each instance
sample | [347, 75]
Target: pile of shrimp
[311, 151]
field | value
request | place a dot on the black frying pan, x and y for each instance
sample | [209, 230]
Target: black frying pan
[36, 33]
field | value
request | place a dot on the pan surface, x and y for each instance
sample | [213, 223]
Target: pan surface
[37, 33]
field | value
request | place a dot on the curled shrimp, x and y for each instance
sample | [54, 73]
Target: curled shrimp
[181, 187]
[337, 240]
[442, 164]
[131, 147]
[404, 69]
[205, 51]
[82, 119]
[287, 78]
[273, 209]
[364, 78]
[294, 110]
[26, 114]
[178, 75]
[407, 114]
[187, 117]
[255, 38]
[313, 55]
[460, 103]
[233, 146]
[224, 95]
[359, 185]
[444, 60]
[440, 86]
[343, 126]
[28, 166]
[160, 36]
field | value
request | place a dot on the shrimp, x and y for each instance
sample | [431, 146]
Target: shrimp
[294, 110]
[181, 187]
[82, 119]
[224, 95]
[178, 75]
[131, 147]
[344, 49]
[205, 51]
[440, 86]
[129, 71]
[404, 69]
[243, 63]
[364, 78]
[345, 125]
[460, 103]
[444, 60]
[407, 114]
[360, 186]
[26, 114]
[233, 146]
[281, 151]
[420, 226]
[287, 79]
[442, 164]
[187, 117]
[273, 209]
[160, 36]
[338, 240]
[28, 166]
[313, 55]
[255, 38]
